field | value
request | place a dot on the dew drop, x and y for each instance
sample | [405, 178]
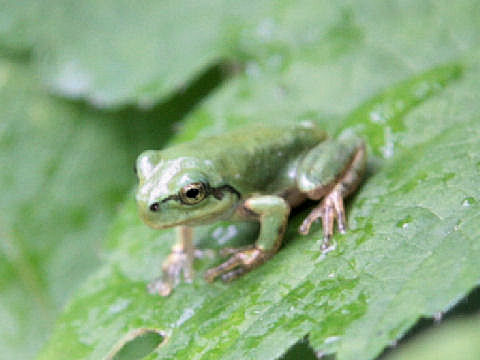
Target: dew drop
[118, 306]
[73, 79]
[187, 314]
[388, 148]
[438, 316]
[393, 343]
[469, 201]
[457, 225]
[331, 339]
[425, 88]
[404, 223]
[378, 116]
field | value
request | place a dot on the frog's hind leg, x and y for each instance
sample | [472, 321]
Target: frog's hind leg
[331, 171]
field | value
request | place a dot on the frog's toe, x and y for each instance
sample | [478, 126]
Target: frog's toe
[240, 263]
[328, 210]
[211, 274]
[232, 275]
[228, 265]
[314, 215]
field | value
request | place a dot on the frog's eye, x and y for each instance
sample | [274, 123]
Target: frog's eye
[193, 193]
[154, 207]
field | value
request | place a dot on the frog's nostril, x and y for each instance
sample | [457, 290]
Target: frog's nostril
[154, 207]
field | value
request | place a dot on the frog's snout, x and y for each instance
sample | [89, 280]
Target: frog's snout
[152, 215]
[148, 212]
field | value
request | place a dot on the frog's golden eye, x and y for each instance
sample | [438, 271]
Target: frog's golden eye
[193, 193]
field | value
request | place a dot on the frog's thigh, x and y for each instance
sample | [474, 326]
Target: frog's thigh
[273, 214]
[323, 165]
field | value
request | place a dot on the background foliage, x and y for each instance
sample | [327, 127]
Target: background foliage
[85, 86]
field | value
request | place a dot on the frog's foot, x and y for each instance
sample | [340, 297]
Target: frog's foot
[330, 208]
[242, 261]
[177, 262]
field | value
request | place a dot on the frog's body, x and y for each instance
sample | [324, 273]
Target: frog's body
[256, 173]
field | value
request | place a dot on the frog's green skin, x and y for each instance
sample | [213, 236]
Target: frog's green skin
[256, 173]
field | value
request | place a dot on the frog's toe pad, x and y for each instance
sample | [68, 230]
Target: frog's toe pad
[159, 287]
[314, 215]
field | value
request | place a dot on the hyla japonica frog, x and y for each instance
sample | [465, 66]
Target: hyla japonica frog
[256, 173]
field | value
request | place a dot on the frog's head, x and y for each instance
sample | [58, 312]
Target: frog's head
[181, 191]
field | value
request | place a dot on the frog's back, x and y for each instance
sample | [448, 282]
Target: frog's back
[256, 157]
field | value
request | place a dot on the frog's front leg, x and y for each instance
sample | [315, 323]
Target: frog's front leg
[330, 172]
[272, 213]
[180, 259]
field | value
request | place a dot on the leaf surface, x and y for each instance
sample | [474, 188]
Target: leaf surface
[404, 75]
[114, 53]
[411, 251]
[54, 208]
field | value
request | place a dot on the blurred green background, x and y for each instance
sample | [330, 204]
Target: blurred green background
[86, 86]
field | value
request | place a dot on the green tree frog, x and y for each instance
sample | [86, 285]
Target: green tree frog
[256, 173]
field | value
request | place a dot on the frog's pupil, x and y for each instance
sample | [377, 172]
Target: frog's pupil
[154, 206]
[192, 193]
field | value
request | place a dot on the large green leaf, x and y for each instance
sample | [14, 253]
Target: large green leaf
[411, 251]
[64, 170]
[117, 52]
[402, 73]
[55, 208]
[46, 250]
